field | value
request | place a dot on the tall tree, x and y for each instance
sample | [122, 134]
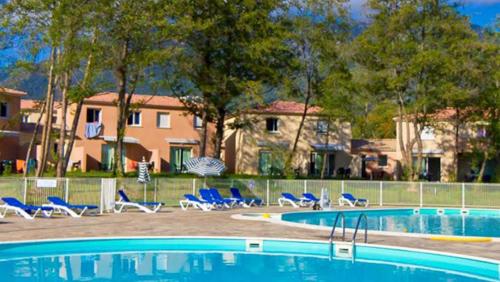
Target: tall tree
[131, 32]
[407, 47]
[317, 30]
[231, 50]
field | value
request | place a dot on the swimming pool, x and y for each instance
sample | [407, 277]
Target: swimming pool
[230, 259]
[456, 222]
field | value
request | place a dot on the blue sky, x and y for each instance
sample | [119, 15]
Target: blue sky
[480, 12]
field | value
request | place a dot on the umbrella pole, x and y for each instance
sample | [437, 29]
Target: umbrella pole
[145, 192]
[205, 183]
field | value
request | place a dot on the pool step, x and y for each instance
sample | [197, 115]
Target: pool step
[254, 245]
[343, 250]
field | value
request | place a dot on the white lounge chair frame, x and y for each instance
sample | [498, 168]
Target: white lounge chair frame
[185, 204]
[352, 204]
[122, 205]
[20, 212]
[65, 210]
[282, 201]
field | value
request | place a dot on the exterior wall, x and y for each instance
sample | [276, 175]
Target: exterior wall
[152, 140]
[10, 128]
[372, 149]
[13, 120]
[442, 145]
[247, 143]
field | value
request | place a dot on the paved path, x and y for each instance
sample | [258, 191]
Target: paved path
[175, 222]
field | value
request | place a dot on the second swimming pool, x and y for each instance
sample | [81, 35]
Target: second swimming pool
[456, 222]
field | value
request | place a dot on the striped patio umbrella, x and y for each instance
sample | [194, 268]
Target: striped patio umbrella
[205, 166]
[143, 173]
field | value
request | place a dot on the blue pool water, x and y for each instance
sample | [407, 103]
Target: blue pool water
[484, 223]
[205, 259]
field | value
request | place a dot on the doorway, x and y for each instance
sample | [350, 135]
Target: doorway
[178, 158]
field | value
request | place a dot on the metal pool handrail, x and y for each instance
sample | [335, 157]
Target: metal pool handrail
[339, 214]
[361, 216]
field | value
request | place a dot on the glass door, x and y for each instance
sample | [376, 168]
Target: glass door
[178, 157]
[108, 155]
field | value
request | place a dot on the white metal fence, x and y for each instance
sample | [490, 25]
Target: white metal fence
[170, 190]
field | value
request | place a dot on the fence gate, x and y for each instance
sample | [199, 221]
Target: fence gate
[108, 192]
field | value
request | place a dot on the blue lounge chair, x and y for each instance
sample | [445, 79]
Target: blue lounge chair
[207, 196]
[292, 200]
[147, 207]
[248, 202]
[61, 206]
[229, 203]
[26, 211]
[192, 200]
[352, 201]
[310, 197]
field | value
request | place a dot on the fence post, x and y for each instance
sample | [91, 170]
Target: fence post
[421, 195]
[381, 193]
[155, 190]
[101, 205]
[305, 186]
[25, 196]
[267, 192]
[463, 195]
[194, 186]
[66, 190]
[342, 186]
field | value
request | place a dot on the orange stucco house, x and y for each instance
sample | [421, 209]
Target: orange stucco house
[10, 123]
[159, 129]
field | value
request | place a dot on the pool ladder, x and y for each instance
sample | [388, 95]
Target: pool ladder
[347, 251]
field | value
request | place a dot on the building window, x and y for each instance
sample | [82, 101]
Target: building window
[134, 119]
[481, 132]
[382, 160]
[322, 127]
[198, 122]
[272, 124]
[3, 110]
[163, 120]
[93, 115]
[427, 133]
[25, 118]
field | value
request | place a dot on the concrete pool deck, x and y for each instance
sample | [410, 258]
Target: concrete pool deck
[175, 222]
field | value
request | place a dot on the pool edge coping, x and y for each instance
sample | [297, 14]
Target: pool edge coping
[276, 219]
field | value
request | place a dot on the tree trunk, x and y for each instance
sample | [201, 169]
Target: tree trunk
[456, 148]
[325, 153]
[483, 167]
[79, 106]
[219, 132]
[121, 76]
[118, 169]
[309, 92]
[204, 129]
[33, 140]
[418, 140]
[62, 131]
[48, 117]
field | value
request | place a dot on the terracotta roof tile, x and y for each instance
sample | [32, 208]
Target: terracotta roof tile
[10, 91]
[150, 100]
[286, 107]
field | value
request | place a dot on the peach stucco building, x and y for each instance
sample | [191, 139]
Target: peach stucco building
[262, 146]
[10, 123]
[158, 129]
